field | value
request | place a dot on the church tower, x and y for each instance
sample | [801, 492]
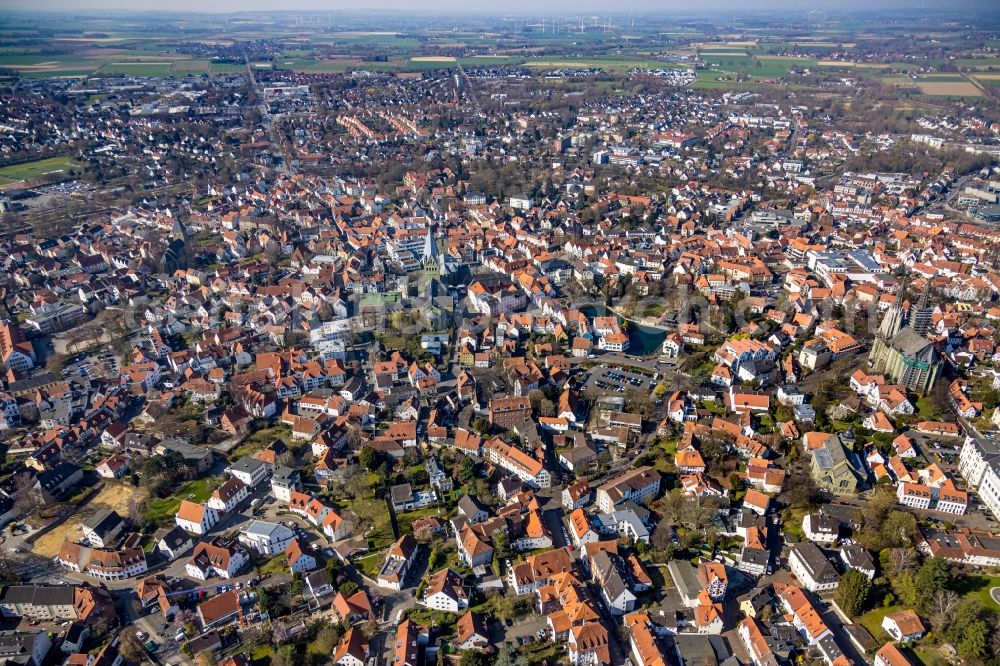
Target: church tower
[921, 315]
[892, 321]
[431, 258]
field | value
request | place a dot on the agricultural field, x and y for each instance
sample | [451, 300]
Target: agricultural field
[949, 88]
[990, 81]
[227, 68]
[766, 67]
[608, 64]
[978, 63]
[16, 173]
[162, 68]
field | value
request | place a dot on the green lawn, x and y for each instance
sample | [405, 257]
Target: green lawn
[929, 657]
[370, 564]
[255, 442]
[163, 509]
[261, 655]
[978, 586]
[791, 524]
[872, 621]
[663, 456]
[405, 519]
[31, 170]
[275, 565]
[442, 622]
[926, 410]
[543, 652]
[181, 67]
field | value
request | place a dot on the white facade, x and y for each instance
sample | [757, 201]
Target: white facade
[209, 517]
[265, 538]
[803, 573]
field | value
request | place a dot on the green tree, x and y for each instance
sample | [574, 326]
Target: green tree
[932, 576]
[501, 545]
[970, 631]
[369, 458]
[473, 658]
[466, 470]
[852, 593]
[326, 640]
[508, 655]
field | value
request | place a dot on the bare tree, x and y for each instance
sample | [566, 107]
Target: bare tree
[24, 493]
[370, 627]
[9, 569]
[900, 560]
[130, 648]
[941, 608]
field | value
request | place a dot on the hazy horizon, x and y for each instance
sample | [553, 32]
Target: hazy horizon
[490, 6]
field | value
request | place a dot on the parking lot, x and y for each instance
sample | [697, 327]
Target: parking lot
[618, 379]
[103, 364]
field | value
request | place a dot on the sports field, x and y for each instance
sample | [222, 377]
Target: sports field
[31, 170]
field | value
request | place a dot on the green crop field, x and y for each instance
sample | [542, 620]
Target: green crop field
[715, 80]
[181, 67]
[136, 69]
[227, 68]
[31, 170]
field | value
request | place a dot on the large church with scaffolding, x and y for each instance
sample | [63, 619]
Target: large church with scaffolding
[902, 351]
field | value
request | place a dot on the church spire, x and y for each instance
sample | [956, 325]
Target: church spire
[430, 245]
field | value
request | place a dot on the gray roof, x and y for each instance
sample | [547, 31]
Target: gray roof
[857, 557]
[246, 464]
[611, 569]
[16, 646]
[613, 519]
[468, 505]
[682, 573]
[819, 522]
[755, 556]
[264, 528]
[910, 343]
[39, 595]
[815, 562]
[103, 522]
[401, 493]
[176, 538]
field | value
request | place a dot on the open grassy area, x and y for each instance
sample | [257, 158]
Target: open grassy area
[929, 656]
[182, 67]
[663, 456]
[31, 170]
[162, 509]
[926, 410]
[261, 655]
[136, 69]
[872, 621]
[227, 68]
[275, 565]
[442, 622]
[949, 88]
[256, 441]
[979, 587]
[407, 518]
[792, 525]
[370, 564]
[539, 652]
